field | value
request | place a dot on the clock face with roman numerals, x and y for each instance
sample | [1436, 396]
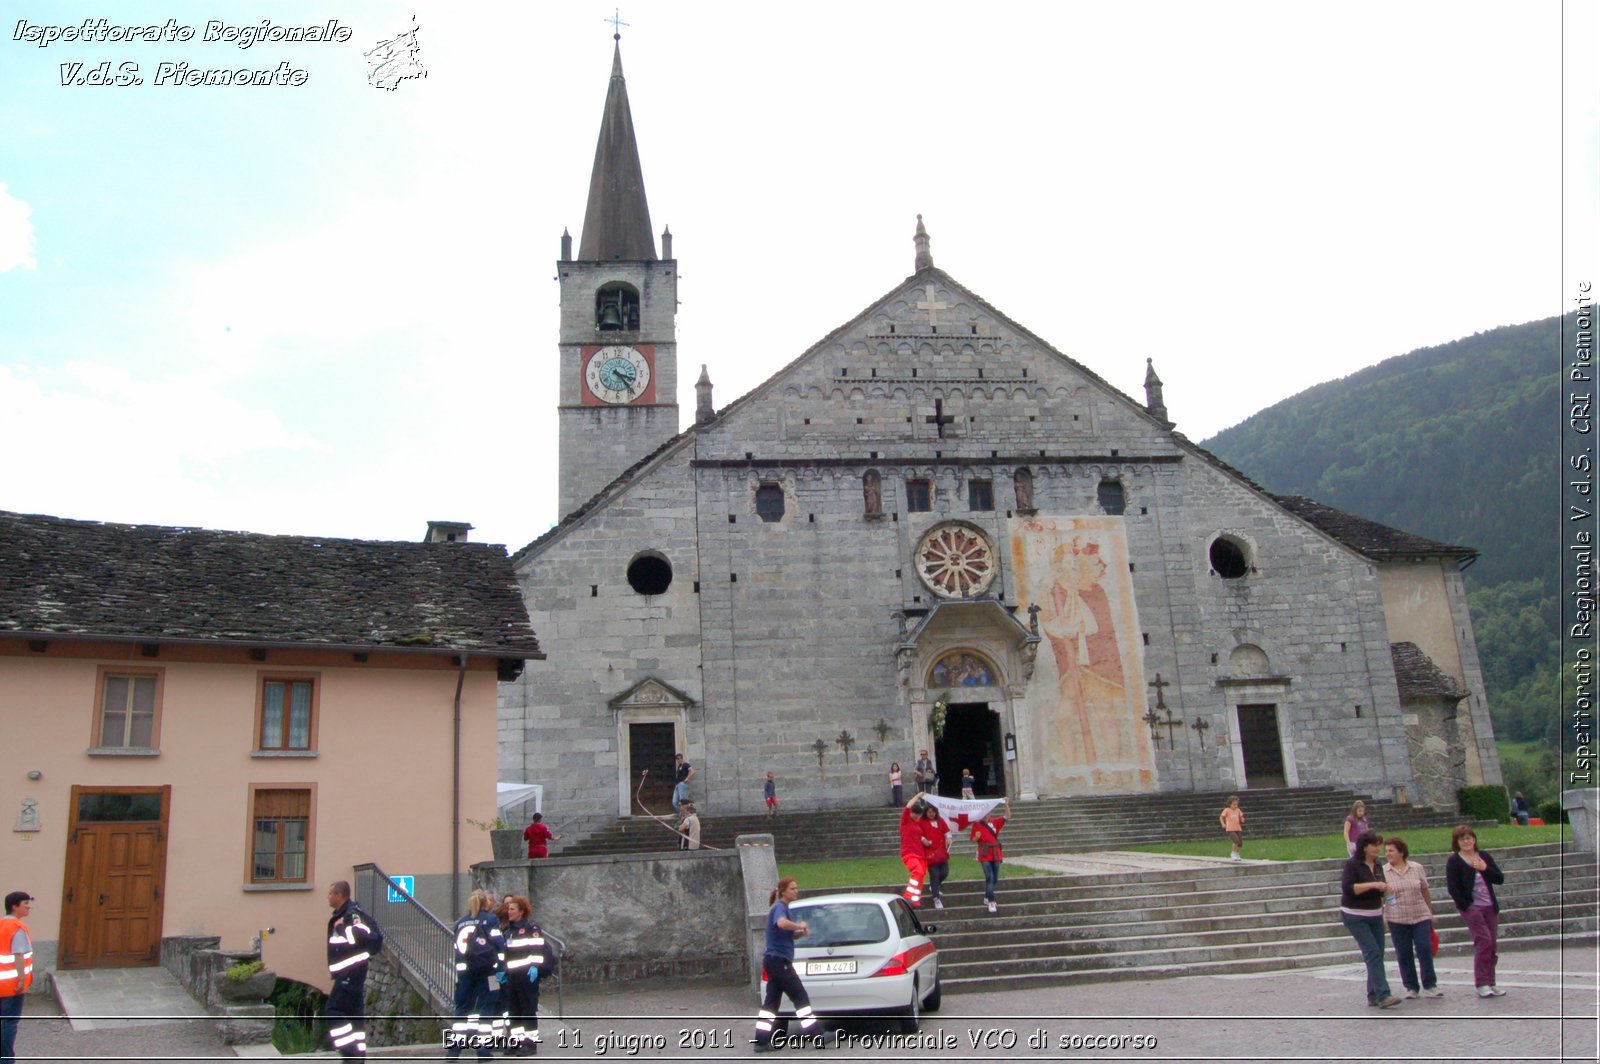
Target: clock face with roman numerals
[617, 375]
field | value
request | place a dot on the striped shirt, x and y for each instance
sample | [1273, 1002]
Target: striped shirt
[1406, 888]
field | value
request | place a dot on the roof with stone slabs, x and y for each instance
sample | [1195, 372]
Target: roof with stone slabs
[153, 583]
[1418, 677]
[1365, 535]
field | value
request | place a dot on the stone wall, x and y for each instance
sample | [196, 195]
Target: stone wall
[1438, 757]
[197, 964]
[668, 916]
[397, 1013]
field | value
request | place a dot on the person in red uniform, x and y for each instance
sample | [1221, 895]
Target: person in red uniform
[937, 830]
[986, 833]
[914, 848]
[538, 837]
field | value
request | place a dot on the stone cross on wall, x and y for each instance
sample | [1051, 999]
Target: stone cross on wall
[933, 306]
[821, 748]
[1160, 685]
[939, 419]
[882, 727]
[846, 741]
[1171, 724]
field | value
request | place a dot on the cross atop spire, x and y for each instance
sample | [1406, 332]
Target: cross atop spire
[616, 23]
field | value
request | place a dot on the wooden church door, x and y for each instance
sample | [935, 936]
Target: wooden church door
[1262, 747]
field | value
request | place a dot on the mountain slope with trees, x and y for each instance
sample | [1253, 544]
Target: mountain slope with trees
[1459, 443]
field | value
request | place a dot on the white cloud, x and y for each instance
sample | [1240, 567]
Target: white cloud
[17, 240]
[140, 442]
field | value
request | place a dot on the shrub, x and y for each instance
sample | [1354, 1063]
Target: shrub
[1550, 811]
[1484, 803]
[238, 973]
[299, 1009]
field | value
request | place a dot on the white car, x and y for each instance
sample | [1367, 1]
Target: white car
[866, 955]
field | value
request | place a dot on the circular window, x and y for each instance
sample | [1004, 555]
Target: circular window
[956, 561]
[1228, 558]
[649, 574]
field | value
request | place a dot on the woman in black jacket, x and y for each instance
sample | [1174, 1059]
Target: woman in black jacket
[527, 959]
[1471, 876]
[1361, 891]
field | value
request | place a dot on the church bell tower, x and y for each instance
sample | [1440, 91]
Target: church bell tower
[619, 303]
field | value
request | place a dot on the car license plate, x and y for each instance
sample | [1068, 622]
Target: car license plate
[830, 967]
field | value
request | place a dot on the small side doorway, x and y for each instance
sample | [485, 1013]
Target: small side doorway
[651, 746]
[1261, 746]
[971, 740]
[116, 867]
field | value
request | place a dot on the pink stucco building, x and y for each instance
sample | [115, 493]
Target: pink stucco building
[203, 729]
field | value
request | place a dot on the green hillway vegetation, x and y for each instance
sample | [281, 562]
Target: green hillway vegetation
[1458, 443]
[821, 877]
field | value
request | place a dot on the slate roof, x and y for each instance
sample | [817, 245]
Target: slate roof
[1368, 537]
[154, 583]
[1418, 677]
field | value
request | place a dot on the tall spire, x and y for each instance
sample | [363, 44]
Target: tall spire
[1153, 399]
[924, 256]
[616, 224]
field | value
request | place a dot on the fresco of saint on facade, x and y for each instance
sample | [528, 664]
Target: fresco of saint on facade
[1087, 692]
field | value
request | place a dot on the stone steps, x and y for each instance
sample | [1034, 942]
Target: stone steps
[1048, 826]
[1226, 918]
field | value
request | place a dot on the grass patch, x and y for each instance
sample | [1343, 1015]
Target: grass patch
[1314, 847]
[821, 877]
[824, 877]
[1513, 748]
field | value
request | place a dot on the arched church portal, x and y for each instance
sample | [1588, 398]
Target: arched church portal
[974, 736]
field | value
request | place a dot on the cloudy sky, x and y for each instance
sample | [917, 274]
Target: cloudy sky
[329, 308]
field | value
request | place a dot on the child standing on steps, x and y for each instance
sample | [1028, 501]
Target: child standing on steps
[770, 790]
[1232, 820]
[967, 783]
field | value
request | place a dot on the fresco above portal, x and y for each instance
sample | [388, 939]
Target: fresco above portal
[961, 668]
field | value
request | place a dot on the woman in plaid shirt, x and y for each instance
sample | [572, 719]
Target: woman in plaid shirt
[1409, 907]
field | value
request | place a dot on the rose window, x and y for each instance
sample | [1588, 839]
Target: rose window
[956, 561]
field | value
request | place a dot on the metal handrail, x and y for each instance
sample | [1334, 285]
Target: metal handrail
[422, 942]
[417, 937]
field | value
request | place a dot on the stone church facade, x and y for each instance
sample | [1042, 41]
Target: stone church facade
[933, 530]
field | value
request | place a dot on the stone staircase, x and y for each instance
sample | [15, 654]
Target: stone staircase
[1227, 917]
[1055, 825]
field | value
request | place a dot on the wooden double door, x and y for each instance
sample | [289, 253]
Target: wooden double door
[115, 877]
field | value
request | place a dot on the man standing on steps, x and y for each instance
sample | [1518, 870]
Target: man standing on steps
[680, 789]
[927, 777]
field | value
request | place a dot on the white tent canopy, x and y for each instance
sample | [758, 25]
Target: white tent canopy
[516, 793]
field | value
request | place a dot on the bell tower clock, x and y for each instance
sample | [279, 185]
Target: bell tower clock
[619, 303]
